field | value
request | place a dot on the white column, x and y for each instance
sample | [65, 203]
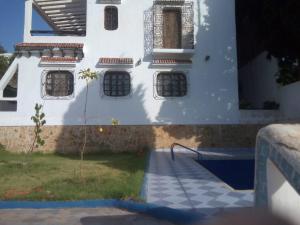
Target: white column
[28, 20]
[89, 16]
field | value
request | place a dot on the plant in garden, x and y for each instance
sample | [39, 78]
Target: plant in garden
[39, 120]
[289, 71]
[114, 122]
[86, 75]
[4, 64]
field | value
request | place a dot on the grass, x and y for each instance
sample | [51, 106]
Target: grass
[56, 177]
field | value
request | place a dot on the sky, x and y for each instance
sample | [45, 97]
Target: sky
[12, 23]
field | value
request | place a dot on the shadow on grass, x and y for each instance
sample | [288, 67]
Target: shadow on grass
[130, 162]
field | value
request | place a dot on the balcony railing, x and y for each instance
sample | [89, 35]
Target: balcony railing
[59, 33]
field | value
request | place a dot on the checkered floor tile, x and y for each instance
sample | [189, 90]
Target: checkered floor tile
[185, 184]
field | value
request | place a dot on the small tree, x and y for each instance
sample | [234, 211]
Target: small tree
[4, 64]
[86, 75]
[39, 120]
[115, 122]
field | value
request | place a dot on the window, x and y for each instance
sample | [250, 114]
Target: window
[172, 28]
[111, 18]
[8, 106]
[116, 83]
[59, 83]
[171, 84]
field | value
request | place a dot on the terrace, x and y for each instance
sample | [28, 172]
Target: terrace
[65, 18]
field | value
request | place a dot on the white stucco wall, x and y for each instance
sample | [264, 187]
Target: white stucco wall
[260, 116]
[283, 199]
[289, 100]
[258, 81]
[212, 85]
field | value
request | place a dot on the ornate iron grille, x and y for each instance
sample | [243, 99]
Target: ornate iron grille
[116, 83]
[171, 84]
[59, 83]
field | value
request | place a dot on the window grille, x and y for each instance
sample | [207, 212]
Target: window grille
[59, 83]
[171, 84]
[111, 18]
[116, 83]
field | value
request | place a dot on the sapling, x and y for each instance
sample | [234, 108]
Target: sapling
[39, 120]
[86, 75]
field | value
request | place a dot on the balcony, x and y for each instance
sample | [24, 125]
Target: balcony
[171, 52]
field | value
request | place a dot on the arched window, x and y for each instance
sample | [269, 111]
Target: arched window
[111, 18]
[59, 83]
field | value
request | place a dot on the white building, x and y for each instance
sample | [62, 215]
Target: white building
[160, 62]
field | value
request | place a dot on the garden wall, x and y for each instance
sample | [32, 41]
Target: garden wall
[289, 100]
[67, 139]
[258, 81]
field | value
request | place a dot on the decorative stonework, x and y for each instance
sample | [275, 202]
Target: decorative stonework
[34, 46]
[59, 59]
[67, 139]
[51, 50]
[187, 12]
[148, 31]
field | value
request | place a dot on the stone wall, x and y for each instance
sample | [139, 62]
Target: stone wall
[67, 139]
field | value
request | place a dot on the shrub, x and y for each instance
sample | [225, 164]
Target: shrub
[289, 71]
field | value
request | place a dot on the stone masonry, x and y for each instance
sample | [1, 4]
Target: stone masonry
[68, 139]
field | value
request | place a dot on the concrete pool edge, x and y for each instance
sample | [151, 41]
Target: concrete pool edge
[163, 213]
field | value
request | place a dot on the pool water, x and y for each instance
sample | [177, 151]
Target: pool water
[239, 174]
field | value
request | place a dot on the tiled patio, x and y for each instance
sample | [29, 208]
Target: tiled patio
[185, 184]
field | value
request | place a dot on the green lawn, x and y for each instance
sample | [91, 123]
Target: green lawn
[56, 177]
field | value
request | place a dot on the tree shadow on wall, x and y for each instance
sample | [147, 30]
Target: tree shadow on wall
[211, 97]
[102, 137]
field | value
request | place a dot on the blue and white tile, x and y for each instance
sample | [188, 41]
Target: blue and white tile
[185, 184]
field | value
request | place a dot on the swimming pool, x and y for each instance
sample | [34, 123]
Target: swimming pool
[239, 174]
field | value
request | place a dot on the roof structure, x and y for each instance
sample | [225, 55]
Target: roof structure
[60, 59]
[116, 61]
[172, 61]
[35, 46]
[63, 15]
[51, 48]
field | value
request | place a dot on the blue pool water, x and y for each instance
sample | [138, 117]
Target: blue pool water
[239, 174]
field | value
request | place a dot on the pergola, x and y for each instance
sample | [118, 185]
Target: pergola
[64, 16]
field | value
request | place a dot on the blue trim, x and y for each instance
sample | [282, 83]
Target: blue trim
[163, 213]
[279, 156]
